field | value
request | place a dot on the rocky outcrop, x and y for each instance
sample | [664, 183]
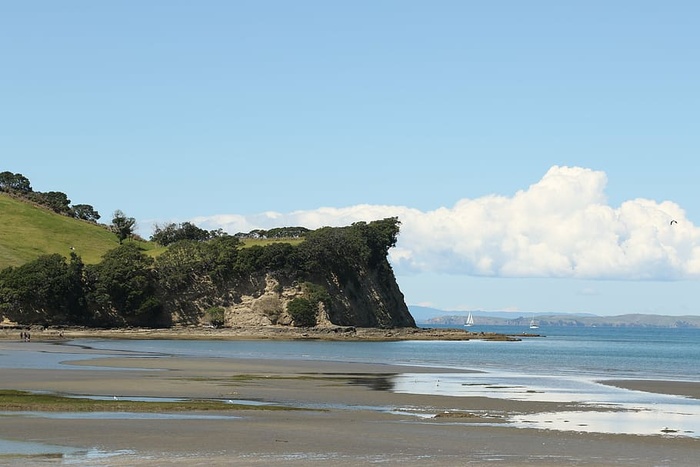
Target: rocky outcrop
[370, 302]
[342, 275]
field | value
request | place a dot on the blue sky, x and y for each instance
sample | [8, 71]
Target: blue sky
[535, 152]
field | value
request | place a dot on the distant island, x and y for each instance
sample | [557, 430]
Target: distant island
[432, 316]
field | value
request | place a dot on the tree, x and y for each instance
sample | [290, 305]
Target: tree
[124, 283]
[14, 182]
[287, 232]
[122, 226]
[181, 266]
[171, 233]
[44, 291]
[216, 316]
[57, 201]
[302, 311]
[85, 212]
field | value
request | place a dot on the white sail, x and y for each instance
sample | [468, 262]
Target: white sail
[470, 320]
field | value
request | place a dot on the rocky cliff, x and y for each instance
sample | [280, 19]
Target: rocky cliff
[331, 277]
[341, 274]
[367, 301]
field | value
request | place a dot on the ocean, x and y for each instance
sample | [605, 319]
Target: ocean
[602, 353]
[561, 365]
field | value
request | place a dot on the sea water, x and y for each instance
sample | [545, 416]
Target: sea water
[602, 353]
[561, 364]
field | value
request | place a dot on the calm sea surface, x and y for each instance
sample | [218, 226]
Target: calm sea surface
[602, 353]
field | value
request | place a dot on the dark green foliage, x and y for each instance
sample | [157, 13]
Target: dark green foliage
[77, 312]
[57, 201]
[303, 312]
[85, 212]
[273, 257]
[259, 259]
[122, 226]
[316, 293]
[223, 252]
[45, 291]
[280, 232]
[303, 309]
[342, 249]
[249, 260]
[287, 232]
[182, 265]
[171, 233]
[379, 236]
[186, 260]
[129, 288]
[124, 283]
[10, 182]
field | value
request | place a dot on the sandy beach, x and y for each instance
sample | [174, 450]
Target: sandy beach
[331, 414]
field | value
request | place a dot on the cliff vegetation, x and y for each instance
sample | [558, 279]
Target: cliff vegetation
[290, 276]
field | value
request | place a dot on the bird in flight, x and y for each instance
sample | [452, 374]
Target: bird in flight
[673, 222]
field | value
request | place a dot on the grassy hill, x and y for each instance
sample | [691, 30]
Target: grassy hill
[28, 231]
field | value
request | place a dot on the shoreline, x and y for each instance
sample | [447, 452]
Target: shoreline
[689, 389]
[343, 415]
[334, 333]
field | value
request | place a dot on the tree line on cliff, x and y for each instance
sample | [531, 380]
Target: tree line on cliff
[130, 288]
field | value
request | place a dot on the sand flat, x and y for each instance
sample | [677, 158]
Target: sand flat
[347, 418]
[680, 388]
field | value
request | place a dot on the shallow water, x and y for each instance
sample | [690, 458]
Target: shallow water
[666, 420]
[603, 353]
[563, 366]
[621, 411]
[31, 453]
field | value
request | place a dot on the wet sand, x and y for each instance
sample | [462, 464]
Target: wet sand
[680, 388]
[347, 417]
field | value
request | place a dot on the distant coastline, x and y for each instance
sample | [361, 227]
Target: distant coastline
[430, 317]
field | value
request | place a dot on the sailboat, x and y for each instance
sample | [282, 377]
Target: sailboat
[533, 323]
[470, 320]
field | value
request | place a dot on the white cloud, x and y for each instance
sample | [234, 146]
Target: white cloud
[560, 226]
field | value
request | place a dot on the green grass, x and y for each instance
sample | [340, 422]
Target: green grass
[28, 231]
[248, 242]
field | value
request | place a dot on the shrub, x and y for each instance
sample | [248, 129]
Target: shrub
[216, 316]
[302, 311]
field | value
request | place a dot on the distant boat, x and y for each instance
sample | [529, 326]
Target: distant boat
[470, 320]
[533, 323]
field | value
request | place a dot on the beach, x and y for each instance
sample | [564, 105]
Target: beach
[302, 412]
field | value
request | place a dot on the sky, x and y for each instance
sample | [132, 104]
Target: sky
[534, 152]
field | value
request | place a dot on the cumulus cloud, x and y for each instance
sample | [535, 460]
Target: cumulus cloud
[561, 226]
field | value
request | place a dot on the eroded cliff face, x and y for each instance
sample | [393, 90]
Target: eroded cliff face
[367, 301]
